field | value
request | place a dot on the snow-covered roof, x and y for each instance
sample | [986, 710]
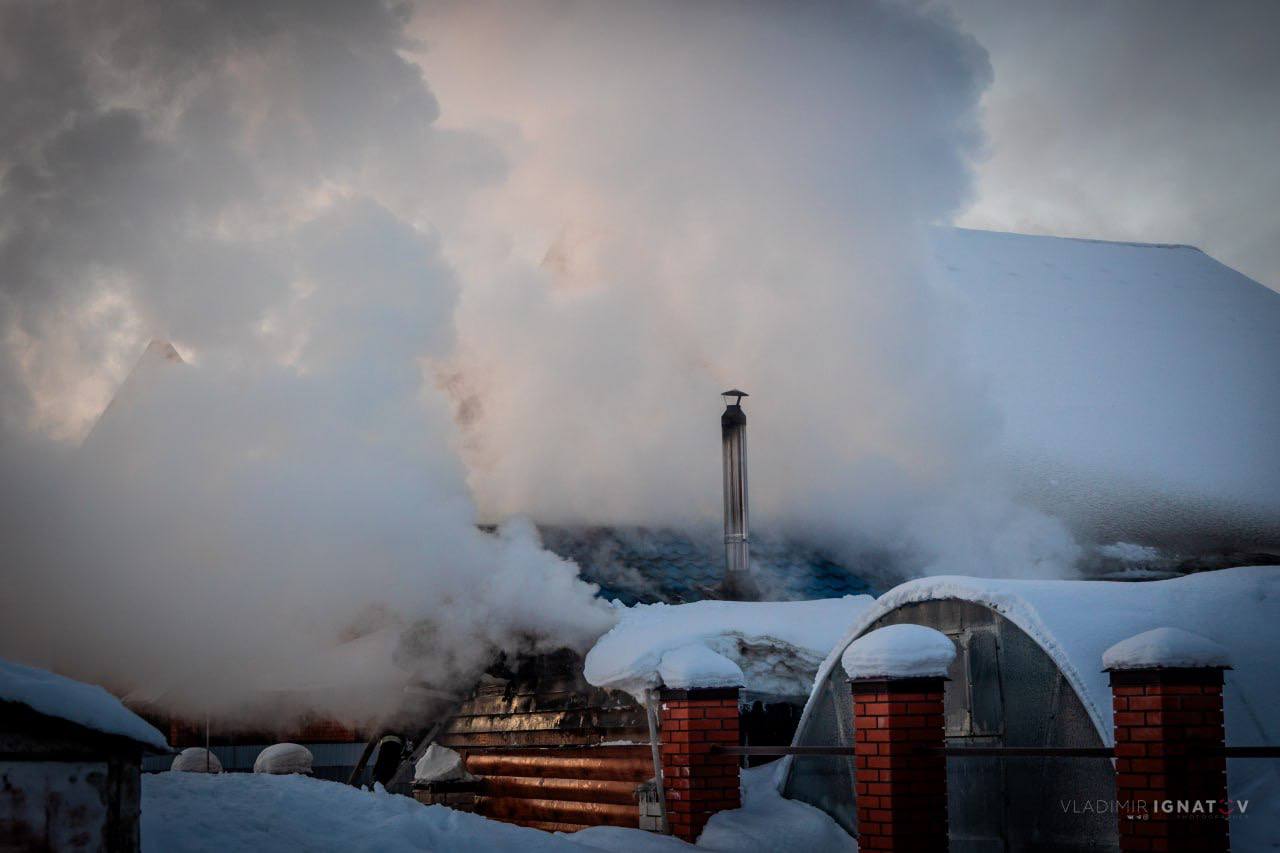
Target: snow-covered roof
[1123, 371]
[645, 565]
[776, 645]
[1075, 622]
[76, 702]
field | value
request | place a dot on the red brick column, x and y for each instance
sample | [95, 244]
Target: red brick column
[1162, 717]
[697, 783]
[900, 777]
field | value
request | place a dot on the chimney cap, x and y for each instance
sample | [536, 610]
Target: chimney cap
[734, 392]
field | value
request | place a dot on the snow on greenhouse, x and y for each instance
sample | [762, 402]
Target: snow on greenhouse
[1029, 672]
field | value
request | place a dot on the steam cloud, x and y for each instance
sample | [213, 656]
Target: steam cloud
[401, 321]
[728, 200]
[247, 179]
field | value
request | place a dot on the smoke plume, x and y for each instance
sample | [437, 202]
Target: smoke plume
[727, 200]
[398, 317]
[256, 182]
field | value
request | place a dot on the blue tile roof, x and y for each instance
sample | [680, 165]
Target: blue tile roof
[635, 564]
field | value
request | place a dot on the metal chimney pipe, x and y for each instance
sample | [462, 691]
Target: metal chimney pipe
[738, 583]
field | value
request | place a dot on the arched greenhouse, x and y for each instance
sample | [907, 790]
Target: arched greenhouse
[1028, 673]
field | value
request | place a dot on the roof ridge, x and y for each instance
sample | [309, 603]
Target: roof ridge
[1133, 243]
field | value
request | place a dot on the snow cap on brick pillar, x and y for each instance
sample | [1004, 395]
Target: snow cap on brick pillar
[899, 651]
[897, 675]
[699, 710]
[1166, 687]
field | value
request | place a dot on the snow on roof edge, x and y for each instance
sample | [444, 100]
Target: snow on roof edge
[1132, 243]
[76, 702]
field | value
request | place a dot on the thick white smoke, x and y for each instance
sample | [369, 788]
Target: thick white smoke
[237, 177]
[621, 210]
[704, 197]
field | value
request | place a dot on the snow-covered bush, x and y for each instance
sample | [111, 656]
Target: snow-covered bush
[284, 758]
[196, 759]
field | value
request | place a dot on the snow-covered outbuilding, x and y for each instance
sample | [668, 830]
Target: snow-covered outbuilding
[70, 764]
[1029, 672]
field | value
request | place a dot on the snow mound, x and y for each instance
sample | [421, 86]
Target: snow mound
[440, 764]
[899, 651]
[196, 759]
[283, 758]
[1163, 648]
[233, 812]
[76, 702]
[776, 645]
[696, 666]
[770, 822]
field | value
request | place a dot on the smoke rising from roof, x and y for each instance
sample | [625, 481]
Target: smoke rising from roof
[257, 182]
[401, 316]
[727, 200]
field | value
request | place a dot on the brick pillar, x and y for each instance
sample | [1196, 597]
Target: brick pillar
[1162, 717]
[697, 783]
[899, 776]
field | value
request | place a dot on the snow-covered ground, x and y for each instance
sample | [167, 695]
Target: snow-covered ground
[777, 645]
[190, 812]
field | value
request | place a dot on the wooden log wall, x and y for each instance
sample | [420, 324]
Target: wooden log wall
[552, 752]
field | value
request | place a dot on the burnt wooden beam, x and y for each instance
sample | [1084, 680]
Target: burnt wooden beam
[550, 788]
[635, 768]
[592, 814]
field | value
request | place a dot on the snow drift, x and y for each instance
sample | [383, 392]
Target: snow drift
[190, 812]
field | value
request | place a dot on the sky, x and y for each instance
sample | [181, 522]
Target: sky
[428, 266]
